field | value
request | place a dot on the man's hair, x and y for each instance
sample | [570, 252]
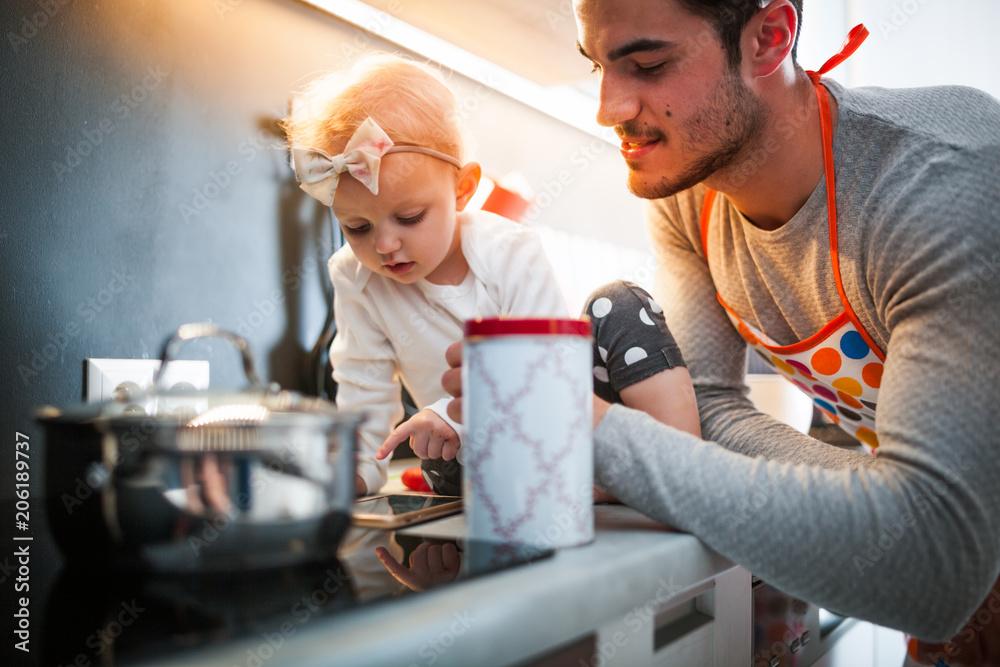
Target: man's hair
[729, 17]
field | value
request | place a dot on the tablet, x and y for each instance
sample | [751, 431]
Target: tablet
[395, 511]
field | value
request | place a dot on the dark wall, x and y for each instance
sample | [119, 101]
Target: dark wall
[144, 186]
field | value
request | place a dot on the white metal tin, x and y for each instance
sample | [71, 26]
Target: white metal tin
[527, 409]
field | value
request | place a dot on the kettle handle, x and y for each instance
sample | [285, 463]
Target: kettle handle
[194, 330]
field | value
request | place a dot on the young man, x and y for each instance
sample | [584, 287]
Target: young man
[852, 238]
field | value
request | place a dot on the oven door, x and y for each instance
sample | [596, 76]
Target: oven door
[789, 632]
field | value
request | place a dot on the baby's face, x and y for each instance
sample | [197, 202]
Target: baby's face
[409, 230]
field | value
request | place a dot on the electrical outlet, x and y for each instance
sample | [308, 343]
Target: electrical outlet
[124, 379]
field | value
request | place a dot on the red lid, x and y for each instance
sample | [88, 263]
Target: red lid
[495, 326]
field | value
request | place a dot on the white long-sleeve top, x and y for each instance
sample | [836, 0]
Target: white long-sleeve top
[390, 332]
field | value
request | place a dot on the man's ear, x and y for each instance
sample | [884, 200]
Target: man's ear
[467, 182]
[772, 34]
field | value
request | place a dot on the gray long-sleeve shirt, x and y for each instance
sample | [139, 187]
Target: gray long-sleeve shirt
[909, 538]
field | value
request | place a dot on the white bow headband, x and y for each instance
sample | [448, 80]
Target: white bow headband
[318, 173]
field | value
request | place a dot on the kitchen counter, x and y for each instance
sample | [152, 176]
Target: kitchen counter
[640, 594]
[637, 585]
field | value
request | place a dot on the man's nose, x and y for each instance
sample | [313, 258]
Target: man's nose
[617, 104]
[386, 240]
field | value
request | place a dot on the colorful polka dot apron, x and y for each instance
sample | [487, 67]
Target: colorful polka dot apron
[840, 366]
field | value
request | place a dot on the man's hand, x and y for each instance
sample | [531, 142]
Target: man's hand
[600, 409]
[452, 380]
[430, 437]
[602, 496]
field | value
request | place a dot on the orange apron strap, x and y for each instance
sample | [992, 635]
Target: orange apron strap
[706, 213]
[854, 39]
[851, 44]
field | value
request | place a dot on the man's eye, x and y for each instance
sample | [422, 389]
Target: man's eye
[356, 231]
[651, 70]
[412, 220]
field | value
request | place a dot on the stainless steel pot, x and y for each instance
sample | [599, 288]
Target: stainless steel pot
[200, 481]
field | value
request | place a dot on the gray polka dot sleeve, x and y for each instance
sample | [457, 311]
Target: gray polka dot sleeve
[631, 338]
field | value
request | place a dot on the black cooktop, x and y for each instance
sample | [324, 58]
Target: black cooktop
[85, 617]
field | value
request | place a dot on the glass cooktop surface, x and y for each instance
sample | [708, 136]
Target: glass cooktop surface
[102, 617]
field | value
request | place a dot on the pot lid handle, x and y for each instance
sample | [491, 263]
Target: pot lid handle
[194, 330]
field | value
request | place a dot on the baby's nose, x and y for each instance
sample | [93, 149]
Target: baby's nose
[387, 241]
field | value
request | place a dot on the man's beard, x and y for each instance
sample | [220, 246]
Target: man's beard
[733, 123]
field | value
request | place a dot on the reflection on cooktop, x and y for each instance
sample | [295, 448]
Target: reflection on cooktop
[110, 618]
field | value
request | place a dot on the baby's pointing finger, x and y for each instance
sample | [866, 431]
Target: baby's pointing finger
[401, 433]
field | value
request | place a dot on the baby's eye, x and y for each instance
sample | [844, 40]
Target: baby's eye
[357, 231]
[411, 220]
[595, 68]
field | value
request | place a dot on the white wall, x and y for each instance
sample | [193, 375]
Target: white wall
[912, 42]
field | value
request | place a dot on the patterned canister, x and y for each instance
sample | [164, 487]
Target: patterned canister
[528, 450]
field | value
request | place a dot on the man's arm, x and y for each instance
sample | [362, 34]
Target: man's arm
[875, 539]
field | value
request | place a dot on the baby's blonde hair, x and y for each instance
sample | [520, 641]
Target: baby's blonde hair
[408, 100]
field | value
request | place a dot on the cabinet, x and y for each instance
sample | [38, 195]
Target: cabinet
[705, 625]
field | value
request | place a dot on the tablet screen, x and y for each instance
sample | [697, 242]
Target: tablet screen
[401, 504]
[396, 510]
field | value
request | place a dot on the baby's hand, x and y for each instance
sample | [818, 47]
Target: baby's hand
[430, 437]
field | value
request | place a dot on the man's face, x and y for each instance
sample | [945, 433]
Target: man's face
[682, 113]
